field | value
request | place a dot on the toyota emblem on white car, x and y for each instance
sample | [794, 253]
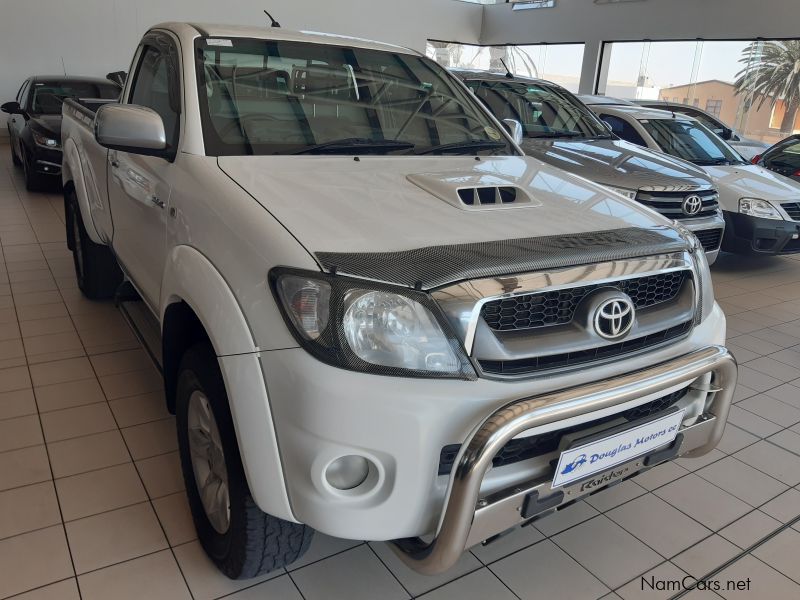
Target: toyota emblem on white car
[613, 318]
[692, 205]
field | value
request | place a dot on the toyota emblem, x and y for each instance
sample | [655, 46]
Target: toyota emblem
[613, 318]
[692, 205]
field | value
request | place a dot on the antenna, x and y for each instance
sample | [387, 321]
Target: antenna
[509, 74]
[274, 22]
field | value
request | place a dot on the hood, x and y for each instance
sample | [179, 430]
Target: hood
[386, 204]
[49, 125]
[751, 181]
[617, 163]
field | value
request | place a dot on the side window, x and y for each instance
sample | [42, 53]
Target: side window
[152, 88]
[623, 129]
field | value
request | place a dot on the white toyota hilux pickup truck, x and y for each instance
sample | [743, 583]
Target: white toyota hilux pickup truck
[374, 315]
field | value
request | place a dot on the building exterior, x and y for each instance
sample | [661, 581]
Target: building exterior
[720, 99]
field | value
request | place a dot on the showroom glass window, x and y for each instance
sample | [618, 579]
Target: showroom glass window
[559, 63]
[701, 74]
[276, 97]
[152, 88]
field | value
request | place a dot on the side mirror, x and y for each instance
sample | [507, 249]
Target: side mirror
[117, 77]
[607, 126]
[514, 127]
[130, 128]
[12, 108]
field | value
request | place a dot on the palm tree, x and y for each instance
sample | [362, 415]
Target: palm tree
[772, 72]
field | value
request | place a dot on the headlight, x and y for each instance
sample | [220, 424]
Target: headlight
[629, 194]
[43, 140]
[759, 208]
[702, 271]
[369, 327]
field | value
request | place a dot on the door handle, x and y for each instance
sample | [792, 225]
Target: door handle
[114, 163]
[157, 201]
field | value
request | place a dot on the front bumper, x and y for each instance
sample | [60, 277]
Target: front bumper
[709, 230]
[745, 234]
[468, 518]
[46, 161]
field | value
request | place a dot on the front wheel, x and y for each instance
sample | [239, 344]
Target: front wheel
[241, 539]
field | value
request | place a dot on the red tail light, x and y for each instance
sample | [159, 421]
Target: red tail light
[755, 159]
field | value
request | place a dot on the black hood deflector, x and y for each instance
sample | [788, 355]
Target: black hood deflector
[436, 266]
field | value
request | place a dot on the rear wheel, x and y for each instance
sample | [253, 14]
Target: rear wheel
[241, 539]
[96, 269]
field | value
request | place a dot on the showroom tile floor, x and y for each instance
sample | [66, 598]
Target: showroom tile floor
[91, 500]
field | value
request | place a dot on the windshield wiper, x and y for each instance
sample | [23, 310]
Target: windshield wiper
[465, 146]
[712, 163]
[361, 144]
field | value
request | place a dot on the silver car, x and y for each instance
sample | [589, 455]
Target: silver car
[559, 130]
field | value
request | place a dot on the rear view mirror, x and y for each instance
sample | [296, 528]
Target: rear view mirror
[130, 128]
[514, 127]
[727, 133]
[12, 108]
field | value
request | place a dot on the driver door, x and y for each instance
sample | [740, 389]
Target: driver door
[139, 189]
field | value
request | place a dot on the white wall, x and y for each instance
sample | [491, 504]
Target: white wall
[584, 21]
[94, 37]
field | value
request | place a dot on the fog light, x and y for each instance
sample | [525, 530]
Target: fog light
[347, 472]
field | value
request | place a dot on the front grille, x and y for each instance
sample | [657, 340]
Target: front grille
[793, 210]
[537, 445]
[709, 238]
[536, 364]
[670, 204]
[558, 307]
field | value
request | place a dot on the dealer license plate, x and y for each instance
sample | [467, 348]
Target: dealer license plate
[600, 455]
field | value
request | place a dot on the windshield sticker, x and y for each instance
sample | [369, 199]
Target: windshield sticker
[493, 133]
[218, 42]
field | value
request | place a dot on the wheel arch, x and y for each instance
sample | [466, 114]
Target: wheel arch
[74, 181]
[198, 304]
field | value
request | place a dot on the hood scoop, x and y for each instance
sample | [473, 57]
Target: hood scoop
[474, 191]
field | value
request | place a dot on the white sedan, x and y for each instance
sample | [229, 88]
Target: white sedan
[761, 208]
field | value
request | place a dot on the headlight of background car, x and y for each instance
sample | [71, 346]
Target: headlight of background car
[629, 194]
[374, 328]
[43, 140]
[759, 208]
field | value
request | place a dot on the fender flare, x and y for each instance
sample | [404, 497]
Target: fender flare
[191, 278]
[72, 172]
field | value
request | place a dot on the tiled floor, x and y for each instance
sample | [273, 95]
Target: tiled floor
[91, 500]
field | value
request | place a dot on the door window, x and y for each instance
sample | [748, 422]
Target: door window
[153, 87]
[24, 92]
[624, 129]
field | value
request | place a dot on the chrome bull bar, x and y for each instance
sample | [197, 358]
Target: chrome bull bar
[475, 458]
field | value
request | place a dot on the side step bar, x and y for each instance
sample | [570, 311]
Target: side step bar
[142, 322]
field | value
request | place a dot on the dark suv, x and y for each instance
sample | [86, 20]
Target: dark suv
[35, 122]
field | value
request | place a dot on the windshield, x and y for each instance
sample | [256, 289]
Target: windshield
[691, 141]
[543, 110]
[49, 95]
[276, 97]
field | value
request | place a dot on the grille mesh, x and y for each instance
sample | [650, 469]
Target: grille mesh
[670, 204]
[709, 238]
[793, 210]
[527, 366]
[558, 307]
[530, 447]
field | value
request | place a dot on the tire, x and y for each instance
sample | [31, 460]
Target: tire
[14, 158]
[96, 269]
[33, 181]
[245, 542]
